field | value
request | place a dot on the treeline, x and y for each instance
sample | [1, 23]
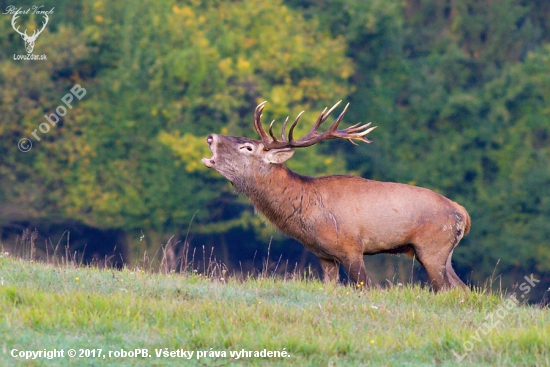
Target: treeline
[459, 90]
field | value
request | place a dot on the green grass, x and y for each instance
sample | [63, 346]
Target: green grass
[63, 307]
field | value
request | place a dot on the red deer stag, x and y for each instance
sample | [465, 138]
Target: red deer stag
[340, 218]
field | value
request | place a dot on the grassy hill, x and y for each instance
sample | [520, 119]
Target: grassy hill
[107, 316]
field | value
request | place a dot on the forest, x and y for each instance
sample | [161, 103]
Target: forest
[459, 90]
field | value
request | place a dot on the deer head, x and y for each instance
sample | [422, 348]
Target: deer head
[236, 158]
[29, 40]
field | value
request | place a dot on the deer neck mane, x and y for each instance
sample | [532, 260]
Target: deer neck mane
[278, 194]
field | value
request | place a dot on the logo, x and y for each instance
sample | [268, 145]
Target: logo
[29, 39]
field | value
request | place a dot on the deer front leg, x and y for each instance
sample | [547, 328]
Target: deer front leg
[330, 270]
[355, 267]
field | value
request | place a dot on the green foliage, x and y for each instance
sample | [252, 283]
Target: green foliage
[513, 177]
[459, 91]
[164, 76]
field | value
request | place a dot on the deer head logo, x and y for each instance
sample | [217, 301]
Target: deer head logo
[29, 40]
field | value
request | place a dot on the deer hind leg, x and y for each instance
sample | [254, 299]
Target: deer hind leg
[355, 267]
[330, 270]
[435, 267]
[434, 249]
[433, 258]
[453, 278]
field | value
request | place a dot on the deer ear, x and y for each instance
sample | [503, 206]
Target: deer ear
[277, 156]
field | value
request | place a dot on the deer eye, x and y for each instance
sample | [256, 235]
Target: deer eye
[247, 147]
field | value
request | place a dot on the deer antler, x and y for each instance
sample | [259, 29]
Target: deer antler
[35, 33]
[351, 133]
[15, 16]
[44, 23]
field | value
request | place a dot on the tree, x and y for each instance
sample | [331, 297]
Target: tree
[160, 77]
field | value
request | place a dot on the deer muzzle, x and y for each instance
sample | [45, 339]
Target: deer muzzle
[211, 140]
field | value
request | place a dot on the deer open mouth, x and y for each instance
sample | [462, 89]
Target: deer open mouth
[210, 162]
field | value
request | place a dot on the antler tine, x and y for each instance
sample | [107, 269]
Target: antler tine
[322, 118]
[283, 130]
[354, 129]
[333, 127]
[291, 131]
[355, 126]
[314, 133]
[43, 25]
[271, 132]
[15, 16]
[261, 105]
[257, 123]
[333, 108]
[349, 135]
[362, 134]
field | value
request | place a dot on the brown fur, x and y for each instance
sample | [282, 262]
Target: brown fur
[341, 218]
